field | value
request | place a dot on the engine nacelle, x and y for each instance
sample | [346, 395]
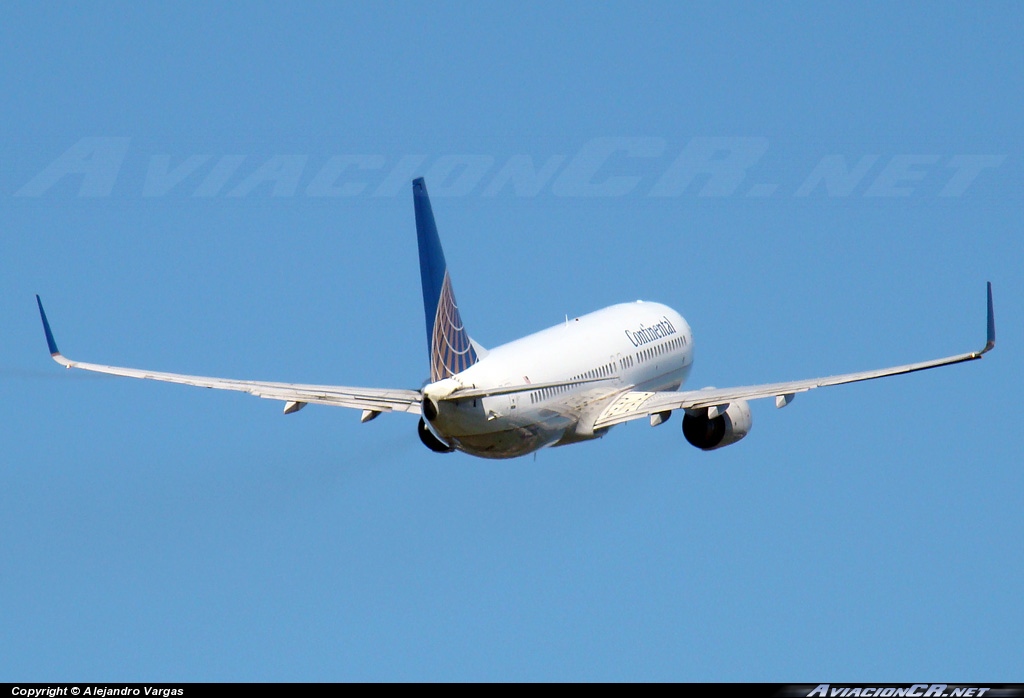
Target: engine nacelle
[431, 441]
[727, 428]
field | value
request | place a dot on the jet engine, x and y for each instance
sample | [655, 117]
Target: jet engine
[431, 441]
[714, 427]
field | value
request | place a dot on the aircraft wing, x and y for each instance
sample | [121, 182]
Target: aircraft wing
[296, 395]
[636, 404]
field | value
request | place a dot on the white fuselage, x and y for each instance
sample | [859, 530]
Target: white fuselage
[638, 346]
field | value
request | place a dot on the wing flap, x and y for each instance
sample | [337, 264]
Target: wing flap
[376, 399]
[635, 405]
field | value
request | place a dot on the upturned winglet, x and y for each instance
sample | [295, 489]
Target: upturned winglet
[991, 335]
[50, 343]
[46, 328]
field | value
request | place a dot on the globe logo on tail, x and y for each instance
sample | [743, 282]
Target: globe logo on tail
[451, 351]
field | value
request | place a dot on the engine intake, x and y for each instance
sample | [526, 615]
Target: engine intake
[429, 408]
[432, 442]
[725, 429]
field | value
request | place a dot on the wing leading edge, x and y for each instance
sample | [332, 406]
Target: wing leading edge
[635, 405]
[367, 399]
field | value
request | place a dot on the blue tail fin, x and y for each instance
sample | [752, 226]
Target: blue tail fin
[448, 344]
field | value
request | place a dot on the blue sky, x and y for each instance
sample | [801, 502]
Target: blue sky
[817, 189]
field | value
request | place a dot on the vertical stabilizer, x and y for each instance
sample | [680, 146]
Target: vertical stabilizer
[448, 343]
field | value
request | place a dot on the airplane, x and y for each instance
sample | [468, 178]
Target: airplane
[567, 384]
